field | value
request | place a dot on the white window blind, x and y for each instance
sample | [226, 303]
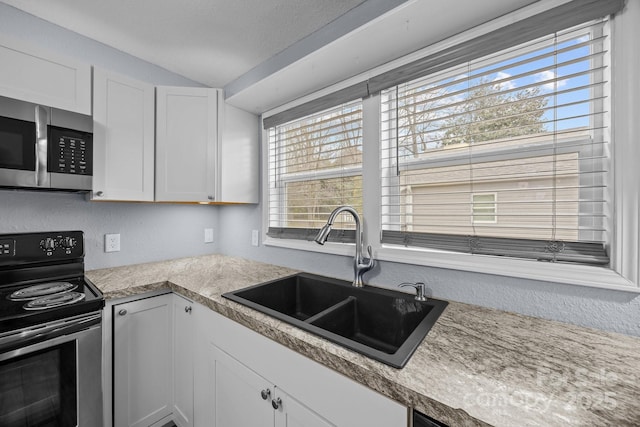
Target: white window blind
[315, 165]
[505, 155]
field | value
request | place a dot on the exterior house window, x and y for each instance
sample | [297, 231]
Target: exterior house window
[484, 208]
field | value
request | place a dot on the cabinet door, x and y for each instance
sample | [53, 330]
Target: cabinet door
[241, 397]
[35, 75]
[123, 138]
[142, 361]
[291, 413]
[186, 143]
[239, 154]
[183, 351]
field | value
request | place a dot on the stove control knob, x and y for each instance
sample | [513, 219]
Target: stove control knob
[48, 244]
[68, 242]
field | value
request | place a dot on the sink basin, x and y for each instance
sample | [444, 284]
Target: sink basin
[382, 324]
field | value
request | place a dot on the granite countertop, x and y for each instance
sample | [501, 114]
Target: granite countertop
[478, 366]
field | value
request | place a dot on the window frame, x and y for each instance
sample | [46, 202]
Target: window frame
[624, 221]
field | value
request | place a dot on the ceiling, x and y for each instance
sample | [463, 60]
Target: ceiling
[212, 42]
[267, 53]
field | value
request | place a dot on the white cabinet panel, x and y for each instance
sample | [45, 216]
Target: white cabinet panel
[183, 357]
[123, 140]
[239, 153]
[241, 397]
[142, 361]
[292, 413]
[31, 74]
[186, 143]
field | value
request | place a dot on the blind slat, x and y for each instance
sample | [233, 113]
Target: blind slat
[543, 250]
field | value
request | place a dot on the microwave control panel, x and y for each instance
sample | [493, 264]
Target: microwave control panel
[70, 152]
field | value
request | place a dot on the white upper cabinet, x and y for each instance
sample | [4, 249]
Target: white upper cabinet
[123, 138]
[41, 77]
[186, 143]
[238, 156]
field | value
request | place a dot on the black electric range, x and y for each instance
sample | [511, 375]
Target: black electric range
[42, 279]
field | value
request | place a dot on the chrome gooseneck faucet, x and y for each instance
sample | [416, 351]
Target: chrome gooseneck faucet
[360, 264]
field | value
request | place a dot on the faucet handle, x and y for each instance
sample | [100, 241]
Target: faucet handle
[419, 287]
[370, 256]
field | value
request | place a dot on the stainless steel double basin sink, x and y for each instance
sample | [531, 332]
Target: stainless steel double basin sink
[382, 324]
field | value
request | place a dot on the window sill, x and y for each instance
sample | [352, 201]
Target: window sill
[582, 275]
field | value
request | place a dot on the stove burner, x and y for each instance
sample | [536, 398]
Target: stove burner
[52, 301]
[38, 291]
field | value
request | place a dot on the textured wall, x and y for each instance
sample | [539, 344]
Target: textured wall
[598, 308]
[148, 232]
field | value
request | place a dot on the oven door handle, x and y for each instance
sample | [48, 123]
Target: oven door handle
[29, 336]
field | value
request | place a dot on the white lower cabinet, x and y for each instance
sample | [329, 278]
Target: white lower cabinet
[175, 360]
[241, 375]
[183, 342]
[142, 362]
[236, 394]
[243, 398]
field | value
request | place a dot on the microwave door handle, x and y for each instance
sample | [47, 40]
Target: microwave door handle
[42, 118]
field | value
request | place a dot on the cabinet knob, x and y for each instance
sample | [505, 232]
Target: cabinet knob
[210, 197]
[265, 394]
[99, 193]
[277, 403]
[122, 312]
[187, 309]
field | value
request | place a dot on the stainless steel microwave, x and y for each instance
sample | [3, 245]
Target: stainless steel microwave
[44, 147]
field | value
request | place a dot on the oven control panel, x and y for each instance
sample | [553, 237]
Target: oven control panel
[41, 247]
[7, 248]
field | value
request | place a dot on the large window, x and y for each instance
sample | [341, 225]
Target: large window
[487, 152]
[503, 155]
[315, 165]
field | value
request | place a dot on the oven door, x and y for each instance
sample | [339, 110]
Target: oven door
[23, 144]
[55, 381]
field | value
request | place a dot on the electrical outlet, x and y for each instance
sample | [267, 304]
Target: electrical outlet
[112, 242]
[254, 237]
[208, 235]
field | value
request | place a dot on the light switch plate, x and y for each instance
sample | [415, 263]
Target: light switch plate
[254, 237]
[111, 242]
[208, 235]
